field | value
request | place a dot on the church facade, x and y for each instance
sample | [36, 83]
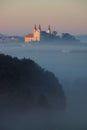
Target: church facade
[36, 35]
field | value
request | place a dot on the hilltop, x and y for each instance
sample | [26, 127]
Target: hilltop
[1, 35]
[24, 83]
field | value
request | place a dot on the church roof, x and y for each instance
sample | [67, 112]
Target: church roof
[30, 35]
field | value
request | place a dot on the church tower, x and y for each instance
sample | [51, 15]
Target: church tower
[39, 28]
[37, 33]
[49, 30]
[35, 28]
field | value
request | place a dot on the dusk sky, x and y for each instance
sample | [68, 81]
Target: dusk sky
[20, 16]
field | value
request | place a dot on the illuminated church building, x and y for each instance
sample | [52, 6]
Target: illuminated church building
[36, 35]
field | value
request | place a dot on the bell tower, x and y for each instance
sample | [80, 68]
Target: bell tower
[35, 28]
[39, 28]
[37, 33]
[49, 29]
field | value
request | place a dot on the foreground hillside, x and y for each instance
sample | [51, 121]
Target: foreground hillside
[24, 83]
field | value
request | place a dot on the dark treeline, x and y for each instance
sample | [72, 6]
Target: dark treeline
[52, 37]
[25, 83]
[65, 37]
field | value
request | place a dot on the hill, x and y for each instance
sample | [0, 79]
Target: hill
[1, 35]
[24, 83]
[82, 38]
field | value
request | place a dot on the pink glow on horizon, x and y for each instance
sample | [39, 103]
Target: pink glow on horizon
[19, 17]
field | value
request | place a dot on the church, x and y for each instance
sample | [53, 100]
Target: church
[36, 35]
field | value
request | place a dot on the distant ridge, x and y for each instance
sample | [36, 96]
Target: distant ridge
[24, 83]
[82, 38]
[1, 35]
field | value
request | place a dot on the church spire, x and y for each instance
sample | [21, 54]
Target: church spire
[35, 28]
[49, 29]
[39, 27]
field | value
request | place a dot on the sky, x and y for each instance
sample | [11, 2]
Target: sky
[19, 16]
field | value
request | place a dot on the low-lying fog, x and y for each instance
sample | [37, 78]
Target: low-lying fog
[69, 64]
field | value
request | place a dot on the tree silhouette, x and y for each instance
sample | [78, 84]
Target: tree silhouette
[42, 101]
[24, 80]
